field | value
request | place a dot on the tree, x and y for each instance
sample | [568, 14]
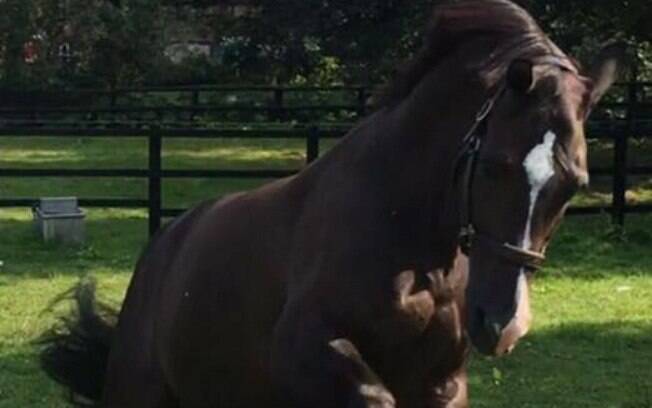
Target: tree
[582, 29]
[122, 42]
[16, 30]
[294, 36]
[105, 44]
[368, 37]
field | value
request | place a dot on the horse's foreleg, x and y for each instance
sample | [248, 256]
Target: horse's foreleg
[450, 393]
[313, 368]
[370, 391]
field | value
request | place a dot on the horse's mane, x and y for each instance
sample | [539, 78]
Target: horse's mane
[457, 22]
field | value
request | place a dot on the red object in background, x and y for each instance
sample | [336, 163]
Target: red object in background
[30, 52]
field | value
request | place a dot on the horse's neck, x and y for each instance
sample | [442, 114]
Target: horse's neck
[424, 132]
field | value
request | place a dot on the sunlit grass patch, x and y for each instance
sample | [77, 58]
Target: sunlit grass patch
[570, 365]
[234, 153]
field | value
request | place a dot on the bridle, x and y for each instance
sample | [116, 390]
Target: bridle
[465, 166]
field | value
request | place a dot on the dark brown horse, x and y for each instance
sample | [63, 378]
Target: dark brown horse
[345, 286]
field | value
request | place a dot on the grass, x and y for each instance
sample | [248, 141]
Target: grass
[591, 344]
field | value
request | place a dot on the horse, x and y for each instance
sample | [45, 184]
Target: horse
[365, 279]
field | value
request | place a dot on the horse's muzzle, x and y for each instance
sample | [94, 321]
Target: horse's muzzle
[484, 332]
[497, 334]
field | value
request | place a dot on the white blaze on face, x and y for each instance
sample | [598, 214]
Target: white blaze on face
[520, 323]
[540, 168]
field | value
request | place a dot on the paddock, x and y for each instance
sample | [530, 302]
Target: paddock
[573, 356]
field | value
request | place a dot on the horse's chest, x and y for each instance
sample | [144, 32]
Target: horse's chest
[422, 340]
[419, 309]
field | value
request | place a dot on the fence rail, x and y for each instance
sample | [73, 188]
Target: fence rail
[187, 104]
[312, 135]
[154, 173]
[632, 121]
[190, 104]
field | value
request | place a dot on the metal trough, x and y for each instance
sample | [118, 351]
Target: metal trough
[60, 219]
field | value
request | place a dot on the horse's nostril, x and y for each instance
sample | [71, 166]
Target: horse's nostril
[493, 329]
[479, 315]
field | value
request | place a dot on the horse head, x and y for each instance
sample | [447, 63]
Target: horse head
[524, 160]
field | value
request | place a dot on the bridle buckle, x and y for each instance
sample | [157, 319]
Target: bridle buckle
[466, 238]
[485, 110]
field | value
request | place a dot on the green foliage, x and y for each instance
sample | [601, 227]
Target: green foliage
[583, 30]
[368, 38]
[295, 37]
[108, 45]
[120, 43]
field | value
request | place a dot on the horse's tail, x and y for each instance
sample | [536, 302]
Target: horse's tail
[76, 351]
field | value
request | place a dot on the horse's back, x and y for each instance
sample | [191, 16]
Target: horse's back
[204, 299]
[133, 351]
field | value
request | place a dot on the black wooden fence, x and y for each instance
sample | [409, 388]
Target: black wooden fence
[155, 173]
[620, 128]
[189, 105]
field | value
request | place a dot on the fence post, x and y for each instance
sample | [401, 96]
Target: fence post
[113, 103]
[619, 199]
[113, 98]
[154, 193]
[278, 113]
[312, 144]
[362, 102]
[620, 153]
[195, 102]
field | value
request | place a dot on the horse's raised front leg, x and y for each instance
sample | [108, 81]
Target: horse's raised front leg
[313, 368]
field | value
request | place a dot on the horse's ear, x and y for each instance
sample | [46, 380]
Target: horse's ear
[520, 75]
[606, 68]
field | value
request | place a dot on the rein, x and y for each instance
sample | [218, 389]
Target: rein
[469, 236]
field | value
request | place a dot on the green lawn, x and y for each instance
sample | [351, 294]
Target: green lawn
[591, 345]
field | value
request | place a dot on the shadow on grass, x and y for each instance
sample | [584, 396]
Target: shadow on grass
[580, 365]
[585, 247]
[23, 384]
[176, 192]
[585, 365]
[592, 248]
